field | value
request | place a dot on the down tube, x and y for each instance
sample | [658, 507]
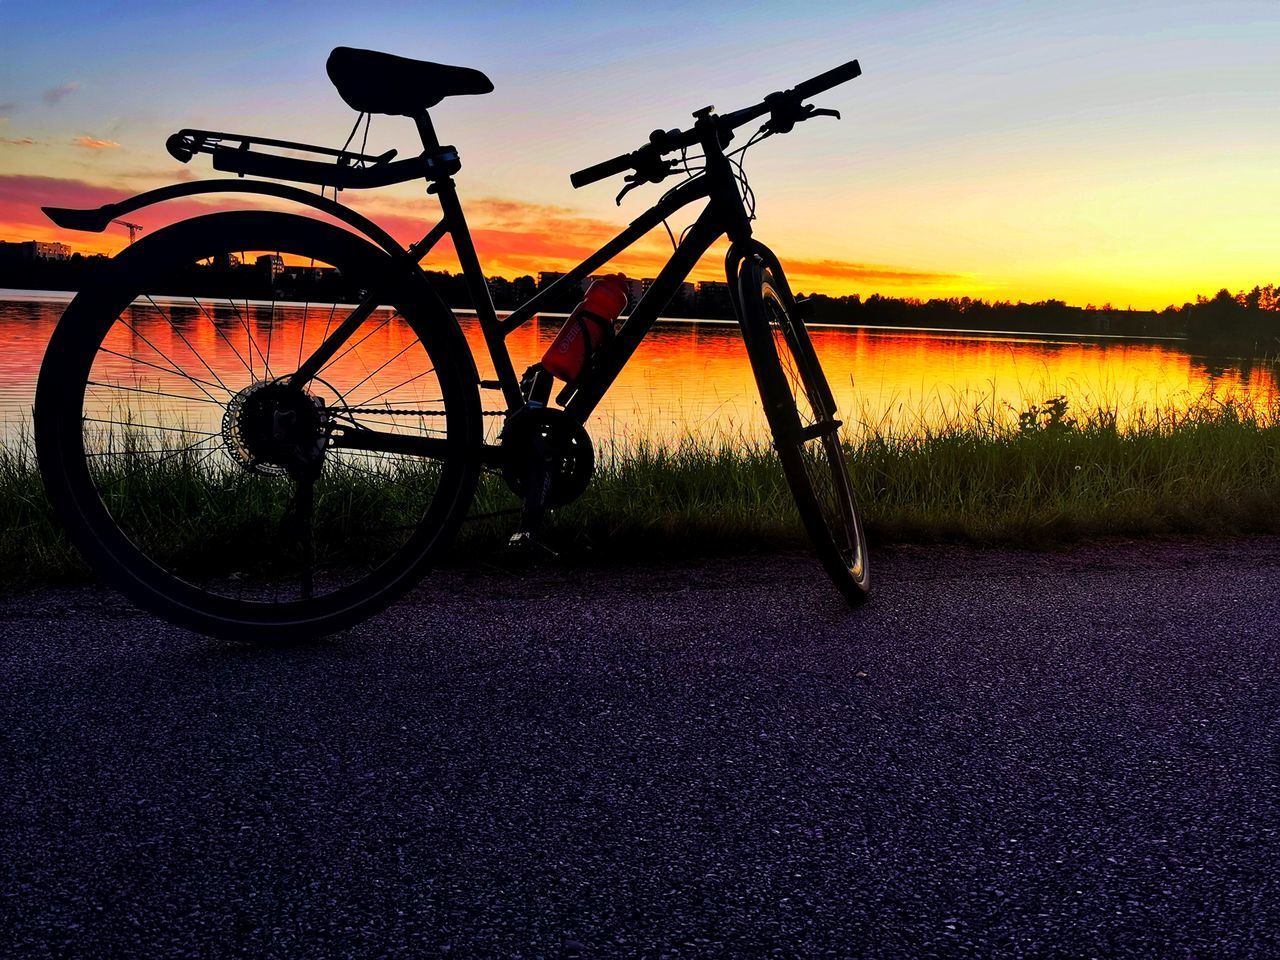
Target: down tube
[704, 232]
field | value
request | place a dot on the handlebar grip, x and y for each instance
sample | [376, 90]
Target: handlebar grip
[602, 170]
[180, 147]
[825, 81]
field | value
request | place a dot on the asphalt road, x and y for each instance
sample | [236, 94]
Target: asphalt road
[1006, 754]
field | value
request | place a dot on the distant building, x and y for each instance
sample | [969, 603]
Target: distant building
[50, 251]
[29, 251]
[271, 264]
[303, 274]
[713, 298]
[686, 290]
[635, 290]
[547, 277]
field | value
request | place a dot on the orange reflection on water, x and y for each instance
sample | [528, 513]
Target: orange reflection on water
[694, 379]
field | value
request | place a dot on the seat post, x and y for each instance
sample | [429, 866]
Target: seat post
[426, 130]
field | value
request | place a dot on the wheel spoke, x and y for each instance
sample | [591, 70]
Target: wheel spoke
[386, 363]
[155, 393]
[402, 383]
[252, 342]
[183, 337]
[155, 366]
[151, 466]
[306, 309]
[172, 368]
[302, 511]
[333, 361]
[271, 329]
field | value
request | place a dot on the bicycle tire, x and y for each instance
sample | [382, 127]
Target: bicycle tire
[219, 604]
[801, 412]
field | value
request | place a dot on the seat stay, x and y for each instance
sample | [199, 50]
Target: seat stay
[478, 286]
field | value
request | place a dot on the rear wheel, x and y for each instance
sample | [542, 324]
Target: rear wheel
[802, 416]
[196, 476]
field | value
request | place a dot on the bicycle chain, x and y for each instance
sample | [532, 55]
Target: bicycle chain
[412, 413]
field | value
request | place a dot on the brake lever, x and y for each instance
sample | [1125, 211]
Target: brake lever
[657, 170]
[633, 181]
[784, 120]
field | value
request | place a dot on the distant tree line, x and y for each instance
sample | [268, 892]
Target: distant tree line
[968, 313]
[1247, 321]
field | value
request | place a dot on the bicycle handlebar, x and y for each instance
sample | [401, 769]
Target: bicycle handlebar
[602, 170]
[825, 81]
[663, 142]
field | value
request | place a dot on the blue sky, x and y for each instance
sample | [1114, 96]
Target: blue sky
[1096, 151]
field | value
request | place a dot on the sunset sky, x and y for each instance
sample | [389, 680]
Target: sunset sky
[1123, 152]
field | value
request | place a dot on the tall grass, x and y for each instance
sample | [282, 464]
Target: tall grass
[1042, 476]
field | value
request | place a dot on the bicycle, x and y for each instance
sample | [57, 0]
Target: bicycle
[286, 503]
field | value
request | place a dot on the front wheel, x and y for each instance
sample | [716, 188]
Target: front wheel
[197, 475]
[802, 415]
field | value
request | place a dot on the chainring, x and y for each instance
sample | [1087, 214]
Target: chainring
[559, 442]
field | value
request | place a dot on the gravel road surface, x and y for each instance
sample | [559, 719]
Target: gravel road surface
[1069, 754]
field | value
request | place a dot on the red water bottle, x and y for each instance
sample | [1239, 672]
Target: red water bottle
[590, 324]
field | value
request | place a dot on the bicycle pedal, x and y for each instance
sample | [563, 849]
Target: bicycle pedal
[522, 543]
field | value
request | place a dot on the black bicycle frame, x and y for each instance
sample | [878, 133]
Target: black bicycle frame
[723, 214]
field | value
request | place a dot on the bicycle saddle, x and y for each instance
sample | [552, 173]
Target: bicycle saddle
[373, 82]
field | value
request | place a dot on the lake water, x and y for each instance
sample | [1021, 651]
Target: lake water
[694, 378]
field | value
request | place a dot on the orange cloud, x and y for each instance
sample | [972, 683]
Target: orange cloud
[864, 273]
[511, 236]
[94, 143]
[21, 198]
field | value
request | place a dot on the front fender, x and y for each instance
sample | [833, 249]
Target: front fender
[95, 220]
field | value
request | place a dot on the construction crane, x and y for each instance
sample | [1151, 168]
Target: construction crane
[134, 228]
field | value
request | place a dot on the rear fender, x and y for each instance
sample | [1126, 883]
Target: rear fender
[97, 219]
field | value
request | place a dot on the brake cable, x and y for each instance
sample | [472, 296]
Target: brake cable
[343, 152]
[692, 173]
[737, 158]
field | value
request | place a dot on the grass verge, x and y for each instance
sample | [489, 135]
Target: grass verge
[1041, 478]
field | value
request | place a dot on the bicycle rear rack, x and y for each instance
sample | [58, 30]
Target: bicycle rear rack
[185, 144]
[234, 153]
